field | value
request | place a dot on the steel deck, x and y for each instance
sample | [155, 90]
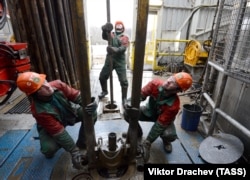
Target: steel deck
[20, 156]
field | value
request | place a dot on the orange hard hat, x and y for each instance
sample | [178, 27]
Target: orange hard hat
[184, 80]
[30, 82]
[119, 26]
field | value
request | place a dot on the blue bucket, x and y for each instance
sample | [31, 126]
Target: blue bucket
[191, 116]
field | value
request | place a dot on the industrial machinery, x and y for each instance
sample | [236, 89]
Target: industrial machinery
[195, 54]
[13, 60]
[195, 58]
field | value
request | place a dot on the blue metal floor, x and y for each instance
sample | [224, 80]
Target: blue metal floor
[20, 157]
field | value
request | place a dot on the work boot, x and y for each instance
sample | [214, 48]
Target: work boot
[146, 145]
[124, 96]
[167, 147]
[104, 89]
[102, 94]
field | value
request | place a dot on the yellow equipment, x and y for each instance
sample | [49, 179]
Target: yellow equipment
[194, 54]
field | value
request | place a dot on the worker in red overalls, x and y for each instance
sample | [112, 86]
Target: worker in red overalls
[161, 108]
[56, 105]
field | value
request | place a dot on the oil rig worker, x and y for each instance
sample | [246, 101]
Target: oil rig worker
[55, 105]
[118, 43]
[161, 108]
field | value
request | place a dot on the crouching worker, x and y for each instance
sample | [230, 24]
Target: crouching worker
[56, 105]
[162, 107]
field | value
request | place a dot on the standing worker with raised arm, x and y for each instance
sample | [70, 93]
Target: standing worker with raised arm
[116, 49]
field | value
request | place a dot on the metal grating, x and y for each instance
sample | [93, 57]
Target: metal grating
[232, 39]
[22, 107]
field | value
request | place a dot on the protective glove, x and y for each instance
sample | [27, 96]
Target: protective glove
[91, 108]
[67, 142]
[112, 50]
[78, 159]
[108, 27]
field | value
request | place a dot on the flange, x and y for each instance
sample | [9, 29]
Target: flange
[221, 148]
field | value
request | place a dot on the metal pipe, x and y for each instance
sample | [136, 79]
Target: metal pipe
[112, 141]
[31, 35]
[209, 99]
[81, 49]
[235, 123]
[217, 67]
[40, 39]
[140, 41]
[48, 38]
[217, 104]
[110, 59]
[65, 42]
[12, 8]
[54, 36]
[68, 22]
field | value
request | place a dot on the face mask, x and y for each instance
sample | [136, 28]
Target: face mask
[119, 28]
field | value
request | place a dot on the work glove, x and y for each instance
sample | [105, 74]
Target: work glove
[108, 27]
[91, 108]
[112, 50]
[67, 142]
[78, 159]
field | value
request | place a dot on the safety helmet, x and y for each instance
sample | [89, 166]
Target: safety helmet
[184, 80]
[119, 27]
[30, 82]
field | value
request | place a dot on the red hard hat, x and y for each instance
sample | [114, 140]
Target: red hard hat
[184, 80]
[119, 26]
[30, 82]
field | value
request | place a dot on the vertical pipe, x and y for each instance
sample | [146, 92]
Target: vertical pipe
[12, 7]
[32, 37]
[81, 49]
[112, 141]
[54, 36]
[40, 38]
[110, 59]
[65, 42]
[68, 21]
[33, 49]
[140, 41]
[48, 39]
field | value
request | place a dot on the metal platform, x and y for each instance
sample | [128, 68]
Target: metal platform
[20, 156]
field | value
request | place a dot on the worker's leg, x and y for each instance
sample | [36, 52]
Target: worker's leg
[103, 77]
[48, 145]
[168, 136]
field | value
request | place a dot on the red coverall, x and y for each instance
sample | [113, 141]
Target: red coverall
[160, 109]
